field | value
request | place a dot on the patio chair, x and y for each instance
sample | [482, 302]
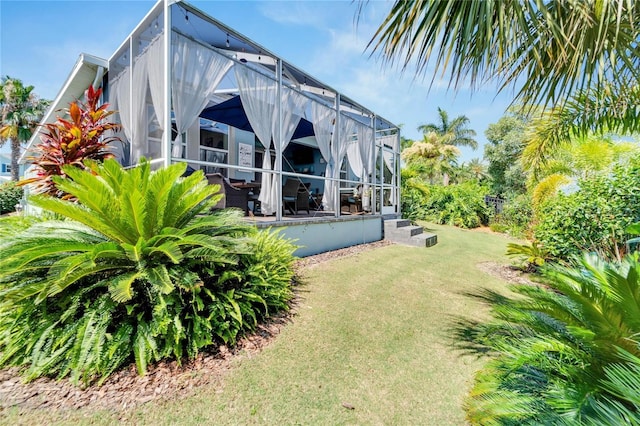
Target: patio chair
[294, 196]
[233, 197]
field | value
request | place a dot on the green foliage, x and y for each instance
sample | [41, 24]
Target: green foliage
[433, 158]
[455, 131]
[532, 256]
[593, 218]
[460, 205]
[10, 195]
[566, 354]
[548, 50]
[72, 142]
[503, 152]
[20, 112]
[138, 270]
[515, 217]
[414, 192]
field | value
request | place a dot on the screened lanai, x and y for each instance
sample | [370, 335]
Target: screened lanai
[208, 96]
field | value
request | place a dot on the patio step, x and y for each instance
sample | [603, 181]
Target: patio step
[402, 232]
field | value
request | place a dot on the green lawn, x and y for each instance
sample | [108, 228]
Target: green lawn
[372, 330]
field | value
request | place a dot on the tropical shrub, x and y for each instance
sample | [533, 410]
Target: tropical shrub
[594, 218]
[515, 217]
[71, 142]
[10, 195]
[460, 205]
[138, 270]
[567, 353]
[532, 256]
[414, 192]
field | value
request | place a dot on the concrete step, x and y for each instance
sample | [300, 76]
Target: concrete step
[404, 232]
[423, 240]
[396, 223]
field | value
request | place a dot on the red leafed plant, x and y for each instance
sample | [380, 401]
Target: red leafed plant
[71, 142]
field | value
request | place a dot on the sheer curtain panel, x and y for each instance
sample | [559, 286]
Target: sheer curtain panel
[197, 71]
[258, 95]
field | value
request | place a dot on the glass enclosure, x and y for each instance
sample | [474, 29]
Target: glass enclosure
[295, 146]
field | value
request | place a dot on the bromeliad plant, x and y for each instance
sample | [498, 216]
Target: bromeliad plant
[71, 142]
[566, 354]
[136, 271]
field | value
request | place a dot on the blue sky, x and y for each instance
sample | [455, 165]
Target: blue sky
[40, 42]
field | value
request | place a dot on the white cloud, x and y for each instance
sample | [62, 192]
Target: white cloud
[303, 13]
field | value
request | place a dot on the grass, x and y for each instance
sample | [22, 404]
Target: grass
[372, 331]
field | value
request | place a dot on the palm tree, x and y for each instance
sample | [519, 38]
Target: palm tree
[588, 112]
[455, 130]
[561, 349]
[551, 50]
[477, 169]
[432, 157]
[20, 112]
[140, 269]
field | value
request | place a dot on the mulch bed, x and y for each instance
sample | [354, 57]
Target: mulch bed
[505, 272]
[165, 380]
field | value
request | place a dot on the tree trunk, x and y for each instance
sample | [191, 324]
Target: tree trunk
[445, 179]
[15, 156]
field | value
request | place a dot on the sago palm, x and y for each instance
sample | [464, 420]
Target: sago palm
[139, 269]
[557, 349]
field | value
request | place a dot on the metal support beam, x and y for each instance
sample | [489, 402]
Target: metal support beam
[167, 83]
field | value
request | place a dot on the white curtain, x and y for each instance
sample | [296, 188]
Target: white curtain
[293, 106]
[258, 95]
[129, 97]
[339, 145]
[366, 144]
[140, 126]
[387, 156]
[155, 67]
[197, 71]
[122, 150]
[332, 148]
[122, 99]
[355, 158]
[324, 119]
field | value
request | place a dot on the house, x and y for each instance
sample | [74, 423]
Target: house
[203, 94]
[5, 167]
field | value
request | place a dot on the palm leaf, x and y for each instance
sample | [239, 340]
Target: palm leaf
[121, 286]
[159, 278]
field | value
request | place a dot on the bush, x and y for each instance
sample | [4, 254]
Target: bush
[10, 195]
[134, 272]
[515, 217]
[413, 195]
[594, 218]
[460, 205]
[567, 354]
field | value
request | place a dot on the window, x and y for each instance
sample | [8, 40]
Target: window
[214, 146]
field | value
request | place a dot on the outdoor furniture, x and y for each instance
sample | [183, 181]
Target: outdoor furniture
[350, 203]
[295, 196]
[233, 197]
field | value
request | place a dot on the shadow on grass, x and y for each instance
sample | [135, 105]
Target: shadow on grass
[472, 337]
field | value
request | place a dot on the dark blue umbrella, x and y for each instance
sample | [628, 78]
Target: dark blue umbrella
[232, 113]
